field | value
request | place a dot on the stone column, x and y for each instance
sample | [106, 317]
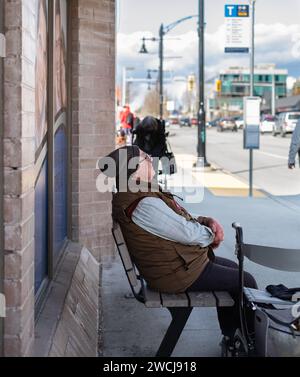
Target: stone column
[93, 119]
[19, 121]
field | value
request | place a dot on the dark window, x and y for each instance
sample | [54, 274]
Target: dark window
[50, 123]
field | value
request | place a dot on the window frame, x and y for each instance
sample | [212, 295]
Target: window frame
[53, 263]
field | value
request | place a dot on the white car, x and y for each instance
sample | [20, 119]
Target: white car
[286, 123]
[267, 123]
[239, 122]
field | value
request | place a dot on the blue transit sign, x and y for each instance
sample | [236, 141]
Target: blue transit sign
[237, 28]
[251, 137]
[236, 10]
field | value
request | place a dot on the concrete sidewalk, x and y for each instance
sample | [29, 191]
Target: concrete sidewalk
[132, 330]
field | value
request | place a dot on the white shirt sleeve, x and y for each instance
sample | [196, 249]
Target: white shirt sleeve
[156, 217]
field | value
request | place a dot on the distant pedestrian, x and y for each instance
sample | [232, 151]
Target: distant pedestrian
[126, 118]
[294, 147]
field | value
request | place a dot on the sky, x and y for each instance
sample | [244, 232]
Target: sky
[277, 37]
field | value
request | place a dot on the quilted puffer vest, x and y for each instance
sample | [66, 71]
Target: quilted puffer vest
[167, 266]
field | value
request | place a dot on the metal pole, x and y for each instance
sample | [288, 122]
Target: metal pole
[1, 182]
[161, 71]
[252, 5]
[124, 86]
[273, 95]
[201, 150]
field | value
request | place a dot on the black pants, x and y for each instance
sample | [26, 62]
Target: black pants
[222, 275]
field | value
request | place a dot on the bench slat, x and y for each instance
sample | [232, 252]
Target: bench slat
[174, 300]
[152, 298]
[199, 299]
[224, 298]
[125, 255]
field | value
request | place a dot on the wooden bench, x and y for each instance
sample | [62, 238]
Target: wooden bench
[179, 305]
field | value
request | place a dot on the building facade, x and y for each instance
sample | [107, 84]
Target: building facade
[235, 84]
[57, 119]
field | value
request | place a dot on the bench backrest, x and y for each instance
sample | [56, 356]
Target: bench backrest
[124, 254]
[273, 257]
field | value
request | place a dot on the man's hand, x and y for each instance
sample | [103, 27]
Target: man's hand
[291, 166]
[216, 228]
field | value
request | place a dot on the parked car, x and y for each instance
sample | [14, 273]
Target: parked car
[185, 122]
[227, 124]
[285, 123]
[174, 120]
[214, 122]
[267, 123]
[239, 122]
[194, 121]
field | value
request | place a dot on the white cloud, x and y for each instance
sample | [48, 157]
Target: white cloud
[276, 43]
[290, 82]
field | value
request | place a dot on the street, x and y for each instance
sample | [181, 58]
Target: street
[226, 151]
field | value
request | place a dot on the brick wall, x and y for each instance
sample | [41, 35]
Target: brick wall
[93, 119]
[19, 177]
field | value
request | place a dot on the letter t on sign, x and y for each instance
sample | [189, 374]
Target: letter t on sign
[230, 9]
[2, 46]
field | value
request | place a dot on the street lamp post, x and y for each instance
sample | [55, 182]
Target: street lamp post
[252, 4]
[124, 84]
[201, 147]
[149, 77]
[161, 71]
[163, 30]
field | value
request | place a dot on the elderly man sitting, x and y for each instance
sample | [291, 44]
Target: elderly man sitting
[173, 251]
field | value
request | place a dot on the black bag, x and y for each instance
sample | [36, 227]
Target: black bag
[277, 333]
[168, 162]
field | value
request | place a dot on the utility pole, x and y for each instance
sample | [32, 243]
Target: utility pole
[252, 6]
[161, 71]
[162, 31]
[124, 84]
[124, 78]
[2, 297]
[273, 95]
[201, 149]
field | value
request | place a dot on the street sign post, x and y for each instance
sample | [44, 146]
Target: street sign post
[237, 25]
[170, 105]
[251, 131]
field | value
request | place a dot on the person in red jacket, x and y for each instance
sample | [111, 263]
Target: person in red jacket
[126, 118]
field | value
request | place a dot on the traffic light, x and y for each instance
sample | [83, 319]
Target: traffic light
[218, 86]
[191, 83]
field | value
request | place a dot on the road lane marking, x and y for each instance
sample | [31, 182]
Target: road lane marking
[273, 155]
